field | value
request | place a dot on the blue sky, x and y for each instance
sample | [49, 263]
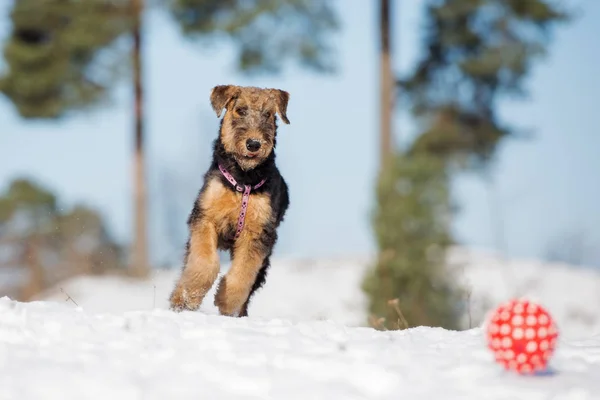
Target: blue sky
[544, 186]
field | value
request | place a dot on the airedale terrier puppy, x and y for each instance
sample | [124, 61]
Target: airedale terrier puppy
[240, 205]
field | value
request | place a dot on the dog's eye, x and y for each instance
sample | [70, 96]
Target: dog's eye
[267, 114]
[240, 111]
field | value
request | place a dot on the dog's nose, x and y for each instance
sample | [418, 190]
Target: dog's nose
[252, 145]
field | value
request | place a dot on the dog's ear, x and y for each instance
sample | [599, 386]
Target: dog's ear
[281, 101]
[221, 95]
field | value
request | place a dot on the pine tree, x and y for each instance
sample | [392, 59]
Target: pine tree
[476, 53]
[58, 62]
[57, 55]
[46, 243]
[410, 285]
[265, 33]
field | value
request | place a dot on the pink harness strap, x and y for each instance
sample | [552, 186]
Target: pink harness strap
[245, 197]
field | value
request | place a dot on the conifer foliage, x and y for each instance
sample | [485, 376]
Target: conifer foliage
[58, 54]
[65, 55]
[474, 53]
[42, 243]
[265, 33]
[410, 284]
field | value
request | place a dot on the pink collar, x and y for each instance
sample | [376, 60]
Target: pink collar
[245, 197]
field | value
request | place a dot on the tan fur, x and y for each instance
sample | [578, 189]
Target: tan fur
[237, 144]
[220, 208]
[201, 270]
[247, 106]
[234, 287]
[248, 257]
[250, 117]
[222, 95]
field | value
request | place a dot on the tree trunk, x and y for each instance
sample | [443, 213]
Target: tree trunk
[386, 84]
[140, 267]
[35, 283]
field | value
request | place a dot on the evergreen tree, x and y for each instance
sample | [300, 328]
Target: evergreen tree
[46, 243]
[57, 59]
[410, 284]
[56, 55]
[265, 33]
[476, 52]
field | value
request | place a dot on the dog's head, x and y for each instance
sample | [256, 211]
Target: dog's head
[249, 125]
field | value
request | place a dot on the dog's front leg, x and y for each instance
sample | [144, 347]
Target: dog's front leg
[201, 267]
[235, 286]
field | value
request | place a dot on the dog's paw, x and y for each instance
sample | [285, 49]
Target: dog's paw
[230, 298]
[181, 300]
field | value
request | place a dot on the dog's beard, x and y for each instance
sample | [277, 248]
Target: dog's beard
[248, 163]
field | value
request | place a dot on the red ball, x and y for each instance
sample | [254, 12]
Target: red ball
[522, 336]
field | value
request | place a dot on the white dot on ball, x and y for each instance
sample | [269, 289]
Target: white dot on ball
[542, 333]
[494, 328]
[543, 319]
[509, 355]
[505, 315]
[517, 333]
[531, 346]
[521, 358]
[531, 320]
[517, 320]
[544, 345]
[529, 333]
[532, 308]
[499, 354]
[496, 343]
[506, 342]
[505, 329]
[518, 308]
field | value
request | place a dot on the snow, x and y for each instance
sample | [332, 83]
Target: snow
[329, 289]
[59, 351]
[297, 290]
[110, 337]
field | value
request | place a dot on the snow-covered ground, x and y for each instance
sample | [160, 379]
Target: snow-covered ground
[305, 290]
[55, 351]
[297, 290]
[303, 340]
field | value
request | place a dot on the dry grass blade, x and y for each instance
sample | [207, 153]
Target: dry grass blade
[68, 297]
[395, 304]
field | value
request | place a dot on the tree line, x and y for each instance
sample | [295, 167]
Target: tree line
[43, 243]
[65, 57]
